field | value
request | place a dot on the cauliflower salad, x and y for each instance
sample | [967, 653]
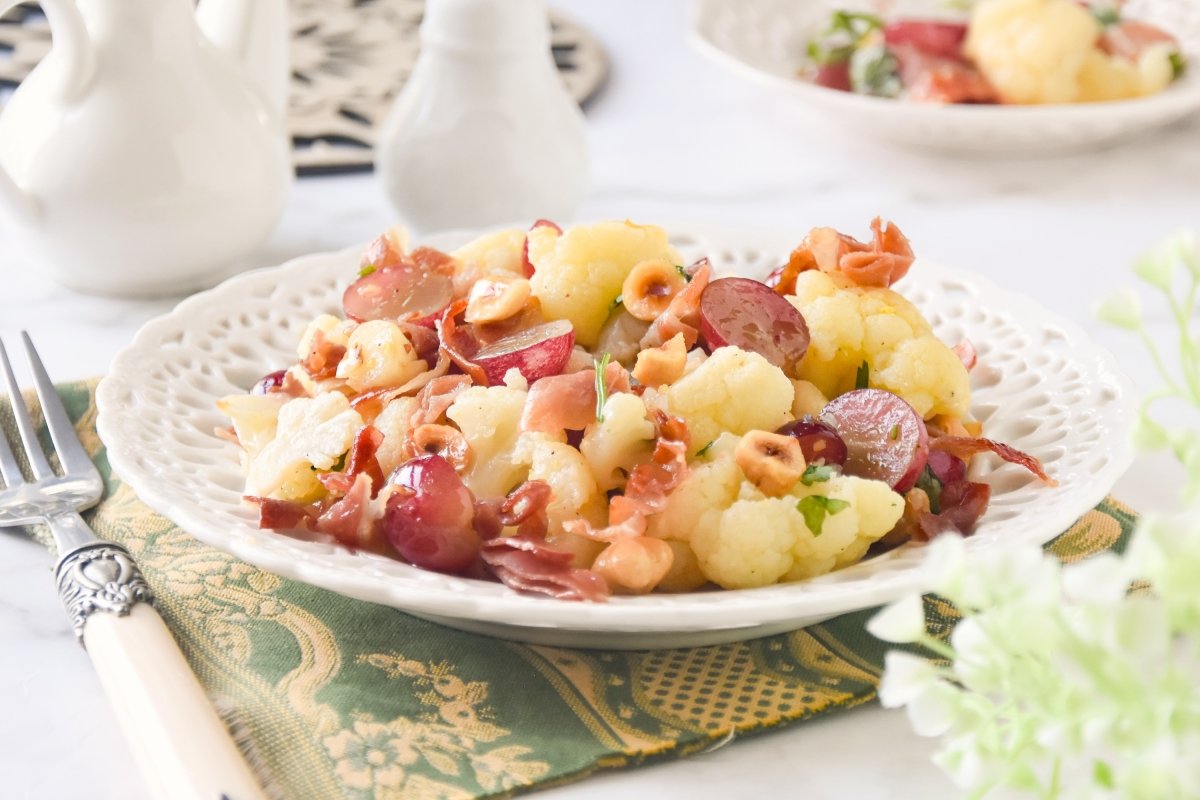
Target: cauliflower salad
[579, 413]
[1007, 51]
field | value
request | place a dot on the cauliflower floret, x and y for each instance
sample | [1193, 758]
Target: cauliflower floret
[312, 435]
[852, 324]
[742, 538]
[579, 273]
[734, 391]
[502, 251]
[623, 439]
[1032, 51]
[378, 355]
[1104, 77]
[490, 418]
[575, 494]
[393, 423]
[254, 419]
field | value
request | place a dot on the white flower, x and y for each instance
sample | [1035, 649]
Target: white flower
[1100, 580]
[933, 711]
[1122, 309]
[944, 567]
[1020, 571]
[901, 622]
[905, 676]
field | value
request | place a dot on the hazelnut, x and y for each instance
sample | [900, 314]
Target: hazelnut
[657, 366]
[650, 287]
[497, 298]
[441, 440]
[771, 461]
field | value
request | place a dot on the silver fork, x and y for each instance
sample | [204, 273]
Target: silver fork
[180, 743]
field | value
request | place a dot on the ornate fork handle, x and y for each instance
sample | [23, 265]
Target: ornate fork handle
[101, 576]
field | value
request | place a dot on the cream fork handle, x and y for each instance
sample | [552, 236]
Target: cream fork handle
[182, 747]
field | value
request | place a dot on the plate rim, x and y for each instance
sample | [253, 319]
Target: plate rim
[633, 615]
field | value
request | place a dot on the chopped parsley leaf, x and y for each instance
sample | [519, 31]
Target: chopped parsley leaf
[704, 450]
[815, 508]
[601, 385]
[929, 483]
[366, 270]
[862, 378]
[816, 473]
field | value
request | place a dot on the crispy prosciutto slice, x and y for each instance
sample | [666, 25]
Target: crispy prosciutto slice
[648, 485]
[284, 515]
[323, 357]
[524, 508]
[682, 314]
[361, 461]
[350, 520]
[966, 446]
[529, 565]
[882, 262]
[568, 402]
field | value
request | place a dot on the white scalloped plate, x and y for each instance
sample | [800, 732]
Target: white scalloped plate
[1041, 385]
[765, 40]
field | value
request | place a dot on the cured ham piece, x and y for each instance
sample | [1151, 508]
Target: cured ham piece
[1130, 39]
[323, 357]
[361, 461]
[648, 485]
[459, 344]
[524, 508]
[568, 402]
[966, 354]
[284, 515]
[882, 262]
[437, 396]
[682, 314]
[966, 446]
[529, 565]
[350, 520]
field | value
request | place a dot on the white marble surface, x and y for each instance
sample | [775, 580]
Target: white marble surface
[673, 137]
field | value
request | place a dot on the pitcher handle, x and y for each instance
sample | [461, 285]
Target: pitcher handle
[73, 50]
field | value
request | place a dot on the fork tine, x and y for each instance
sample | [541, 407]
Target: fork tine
[9, 468]
[72, 456]
[33, 448]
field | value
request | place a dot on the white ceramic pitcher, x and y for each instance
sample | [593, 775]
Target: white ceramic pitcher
[484, 131]
[145, 155]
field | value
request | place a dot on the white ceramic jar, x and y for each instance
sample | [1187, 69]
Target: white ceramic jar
[484, 131]
[139, 158]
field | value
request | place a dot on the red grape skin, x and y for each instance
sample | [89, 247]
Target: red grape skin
[429, 517]
[404, 292]
[818, 440]
[885, 438]
[749, 314]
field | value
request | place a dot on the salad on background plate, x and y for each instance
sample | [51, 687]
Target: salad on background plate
[578, 412]
[1002, 51]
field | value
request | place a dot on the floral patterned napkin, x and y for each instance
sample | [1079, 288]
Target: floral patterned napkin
[333, 697]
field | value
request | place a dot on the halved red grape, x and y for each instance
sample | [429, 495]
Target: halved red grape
[818, 440]
[834, 76]
[271, 382]
[429, 519]
[534, 352]
[940, 39]
[948, 469]
[400, 292]
[885, 438]
[528, 265]
[750, 315]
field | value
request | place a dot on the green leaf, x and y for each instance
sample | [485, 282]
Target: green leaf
[843, 35]
[366, 270]
[929, 483]
[1106, 15]
[816, 473]
[1123, 310]
[862, 378]
[704, 450]
[682, 270]
[601, 385]
[1179, 65]
[1148, 434]
[1103, 775]
[815, 508]
[1157, 267]
[875, 71]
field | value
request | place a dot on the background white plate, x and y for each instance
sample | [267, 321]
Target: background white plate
[1041, 385]
[766, 39]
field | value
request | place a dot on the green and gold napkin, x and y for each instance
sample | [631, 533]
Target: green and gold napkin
[338, 698]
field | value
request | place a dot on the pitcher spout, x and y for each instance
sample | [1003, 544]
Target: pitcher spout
[255, 33]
